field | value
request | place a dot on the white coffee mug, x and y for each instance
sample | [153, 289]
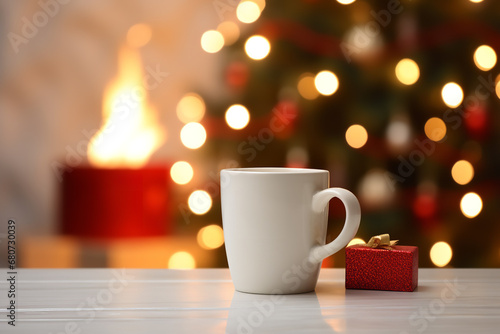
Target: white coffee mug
[275, 222]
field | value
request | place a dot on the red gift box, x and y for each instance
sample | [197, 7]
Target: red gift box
[393, 269]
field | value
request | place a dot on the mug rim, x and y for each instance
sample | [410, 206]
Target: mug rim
[274, 170]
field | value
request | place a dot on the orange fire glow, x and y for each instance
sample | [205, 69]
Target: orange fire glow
[130, 133]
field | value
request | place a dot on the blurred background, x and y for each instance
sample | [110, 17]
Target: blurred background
[117, 116]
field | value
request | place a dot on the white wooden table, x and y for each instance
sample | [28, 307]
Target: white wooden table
[204, 301]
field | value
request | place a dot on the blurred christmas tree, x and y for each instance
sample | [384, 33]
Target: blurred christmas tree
[398, 99]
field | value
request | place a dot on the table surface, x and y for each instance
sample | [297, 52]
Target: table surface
[204, 301]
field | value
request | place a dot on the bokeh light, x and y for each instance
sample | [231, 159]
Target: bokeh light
[356, 241]
[435, 129]
[297, 157]
[257, 47]
[247, 11]
[199, 202]
[210, 237]
[356, 136]
[181, 260]
[181, 172]
[306, 86]
[191, 108]
[485, 58]
[366, 45]
[326, 83]
[345, 2]
[497, 86]
[212, 41]
[230, 31]
[139, 35]
[193, 135]
[407, 71]
[471, 205]
[441, 254]
[398, 133]
[462, 172]
[374, 190]
[425, 205]
[237, 116]
[476, 1]
[452, 94]
[260, 3]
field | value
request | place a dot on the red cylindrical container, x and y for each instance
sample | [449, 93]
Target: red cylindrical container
[115, 203]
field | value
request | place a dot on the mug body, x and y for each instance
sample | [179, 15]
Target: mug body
[270, 227]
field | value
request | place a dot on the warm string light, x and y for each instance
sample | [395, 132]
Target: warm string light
[181, 172]
[407, 71]
[248, 11]
[462, 172]
[199, 202]
[326, 83]
[497, 85]
[257, 47]
[306, 86]
[212, 41]
[260, 3]
[356, 136]
[471, 205]
[345, 2]
[191, 108]
[435, 129]
[441, 254]
[237, 117]
[452, 94]
[485, 57]
[210, 237]
[181, 260]
[193, 135]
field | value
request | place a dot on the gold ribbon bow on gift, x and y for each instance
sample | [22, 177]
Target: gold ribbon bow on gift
[381, 241]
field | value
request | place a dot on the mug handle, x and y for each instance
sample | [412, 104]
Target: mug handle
[353, 216]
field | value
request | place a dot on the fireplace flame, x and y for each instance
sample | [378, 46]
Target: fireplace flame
[130, 133]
